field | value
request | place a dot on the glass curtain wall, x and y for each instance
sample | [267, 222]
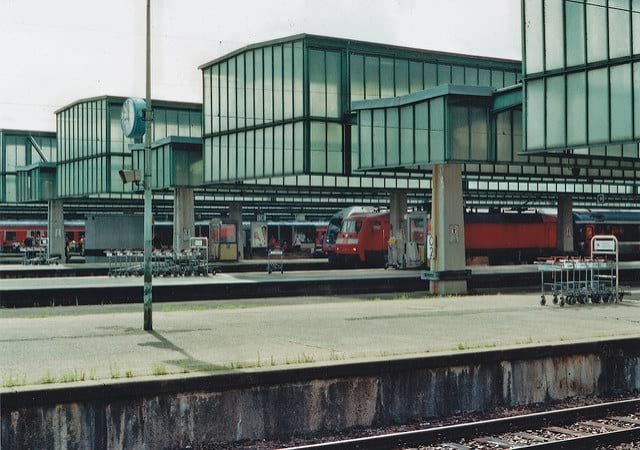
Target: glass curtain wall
[283, 108]
[582, 66]
[16, 150]
[92, 147]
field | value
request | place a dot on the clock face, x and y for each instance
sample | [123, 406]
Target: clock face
[131, 118]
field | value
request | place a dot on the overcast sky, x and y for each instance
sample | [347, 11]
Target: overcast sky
[57, 51]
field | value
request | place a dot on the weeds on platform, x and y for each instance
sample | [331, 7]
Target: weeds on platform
[115, 372]
[11, 380]
[159, 370]
[129, 373]
[72, 375]
[47, 379]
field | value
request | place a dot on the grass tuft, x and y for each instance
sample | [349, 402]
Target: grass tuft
[159, 370]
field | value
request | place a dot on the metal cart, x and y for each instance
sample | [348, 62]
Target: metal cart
[275, 260]
[583, 280]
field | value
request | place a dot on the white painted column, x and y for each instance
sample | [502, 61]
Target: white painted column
[398, 209]
[183, 218]
[447, 228]
[235, 215]
[55, 229]
[564, 239]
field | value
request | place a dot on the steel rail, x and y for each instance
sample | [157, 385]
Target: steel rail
[451, 433]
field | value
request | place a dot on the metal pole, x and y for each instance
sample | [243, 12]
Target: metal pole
[148, 227]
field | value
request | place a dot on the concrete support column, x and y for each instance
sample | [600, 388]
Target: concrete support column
[235, 215]
[398, 209]
[564, 239]
[55, 230]
[447, 229]
[183, 218]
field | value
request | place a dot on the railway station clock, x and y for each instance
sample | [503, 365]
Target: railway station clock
[132, 117]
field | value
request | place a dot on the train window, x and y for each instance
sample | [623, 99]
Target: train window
[10, 235]
[376, 226]
[351, 226]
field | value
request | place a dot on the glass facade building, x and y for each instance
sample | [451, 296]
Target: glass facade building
[582, 76]
[284, 107]
[17, 149]
[92, 147]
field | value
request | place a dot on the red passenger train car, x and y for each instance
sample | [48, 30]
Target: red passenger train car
[501, 237]
[15, 233]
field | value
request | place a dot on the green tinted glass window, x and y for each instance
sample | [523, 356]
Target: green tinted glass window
[278, 150]
[416, 79]
[406, 134]
[318, 147]
[636, 101]
[297, 79]
[278, 91]
[457, 75]
[334, 69]
[555, 111]
[258, 71]
[386, 78]
[268, 84]
[436, 129]
[421, 124]
[430, 75]
[621, 102]
[459, 132]
[224, 89]
[357, 77]
[268, 151]
[598, 105]
[365, 122]
[479, 134]
[231, 93]
[402, 77]
[597, 35]
[372, 77]
[334, 148]
[317, 83]
[287, 61]
[444, 74]
[393, 136]
[535, 114]
[288, 149]
[249, 89]
[576, 109]
[554, 34]
[378, 137]
[619, 29]
[240, 92]
[533, 36]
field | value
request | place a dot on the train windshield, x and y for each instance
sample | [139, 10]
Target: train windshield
[332, 231]
[351, 226]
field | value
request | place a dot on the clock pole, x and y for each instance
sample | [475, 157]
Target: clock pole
[148, 226]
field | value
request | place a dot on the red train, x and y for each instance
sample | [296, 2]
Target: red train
[500, 237]
[17, 233]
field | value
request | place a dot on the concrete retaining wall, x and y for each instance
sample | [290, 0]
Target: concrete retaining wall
[205, 409]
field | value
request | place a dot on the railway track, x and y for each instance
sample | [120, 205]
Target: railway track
[581, 427]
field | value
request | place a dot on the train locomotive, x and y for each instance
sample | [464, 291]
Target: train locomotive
[501, 238]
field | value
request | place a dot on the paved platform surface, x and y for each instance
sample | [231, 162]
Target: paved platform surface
[218, 279]
[97, 342]
[17, 269]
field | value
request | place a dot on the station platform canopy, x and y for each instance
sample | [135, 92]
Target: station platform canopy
[22, 148]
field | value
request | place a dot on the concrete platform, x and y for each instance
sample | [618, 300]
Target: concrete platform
[16, 269]
[87, 290]
[105, 342]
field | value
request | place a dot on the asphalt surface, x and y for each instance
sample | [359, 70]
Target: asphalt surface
[96, 342]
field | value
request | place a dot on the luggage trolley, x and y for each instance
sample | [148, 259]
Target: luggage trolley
[606, 277]
[275, 260]
[583, 280]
